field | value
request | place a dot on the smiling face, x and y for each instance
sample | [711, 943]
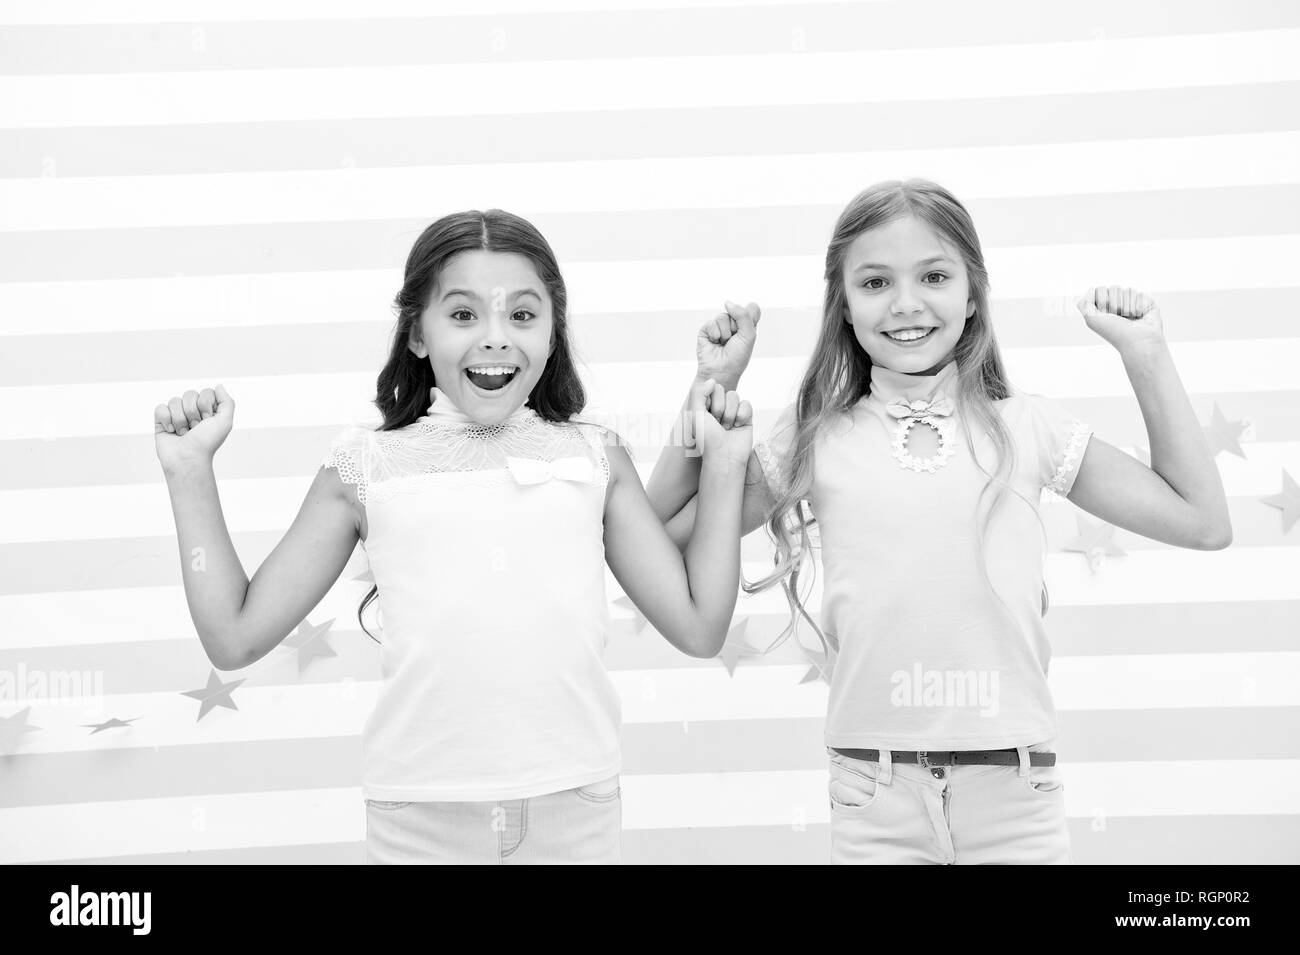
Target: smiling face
[908, 296]
[487, 332]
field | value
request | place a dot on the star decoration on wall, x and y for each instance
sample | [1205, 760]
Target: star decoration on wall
[816, 673]
[1095, 541]
[820, 669]
[214, 694]
[1224, 435]
[735, 649]
[309, 640]
[1288, 502]
[12, 729]
[638, 618]
[109, 724]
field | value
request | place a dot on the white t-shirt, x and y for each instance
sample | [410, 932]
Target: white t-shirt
[928, 656]
[487, 546]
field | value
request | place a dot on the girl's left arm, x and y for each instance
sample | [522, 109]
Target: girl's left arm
[1179, 499]
[688, 597]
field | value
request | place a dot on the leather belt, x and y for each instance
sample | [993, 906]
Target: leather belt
[960, 757]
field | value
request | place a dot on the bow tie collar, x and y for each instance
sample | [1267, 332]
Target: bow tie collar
[939, 406]
[527, 471]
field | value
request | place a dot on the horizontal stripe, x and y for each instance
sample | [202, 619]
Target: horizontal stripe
[1132, 840]
[791, 798]
[234, 11]
[641, 134]
[140, 564]
[171, 46]
[1250, 214]
[648, 749]
[265, 504]
[266, 507]
[664, 82]
[290, 451]
[619, 392]
[1056, 274]
[143, 652]
[1132, 682]
[727, 182]
[142, 639]
[109, 357]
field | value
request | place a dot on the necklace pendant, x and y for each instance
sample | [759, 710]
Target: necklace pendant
[942, 427]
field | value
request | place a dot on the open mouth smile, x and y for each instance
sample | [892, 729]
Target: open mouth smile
[910, 336]
[491, 377]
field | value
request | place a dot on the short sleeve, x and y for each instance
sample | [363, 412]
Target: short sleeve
[1059, 440]
[597, 436]
[774, 452]
[350, 453]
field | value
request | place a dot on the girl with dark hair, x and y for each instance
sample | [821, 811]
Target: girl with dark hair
[919, 470]
[488, 515]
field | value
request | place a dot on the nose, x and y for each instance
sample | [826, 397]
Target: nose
[905, 300]
[496, 337]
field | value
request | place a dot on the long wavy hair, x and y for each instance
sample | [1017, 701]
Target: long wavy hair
[402, 389]
[839, 375]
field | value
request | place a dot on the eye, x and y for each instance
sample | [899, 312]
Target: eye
[937, 276]
[522, 315]
[462, 315]
[869, 283]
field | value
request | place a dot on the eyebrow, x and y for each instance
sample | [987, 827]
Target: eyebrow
[885, 268]
[468, 294]
[456, 291]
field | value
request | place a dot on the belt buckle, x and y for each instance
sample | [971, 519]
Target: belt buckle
[923, 757]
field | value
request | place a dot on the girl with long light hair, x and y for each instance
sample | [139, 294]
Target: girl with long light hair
[912, 464]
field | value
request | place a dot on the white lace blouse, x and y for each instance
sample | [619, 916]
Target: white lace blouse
[486, 545]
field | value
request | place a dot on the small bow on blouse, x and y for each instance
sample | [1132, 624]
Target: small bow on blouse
[940, 405]
[529, 471]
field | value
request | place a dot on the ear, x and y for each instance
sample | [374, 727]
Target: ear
[848, 316]
[416, 344]
[970, 309]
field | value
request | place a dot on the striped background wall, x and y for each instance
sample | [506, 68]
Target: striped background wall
[224, 192]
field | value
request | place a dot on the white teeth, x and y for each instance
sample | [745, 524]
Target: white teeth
[493, 369]
[909, 334]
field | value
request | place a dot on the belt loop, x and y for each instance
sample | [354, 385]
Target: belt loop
[1023, 752]
[886, 769]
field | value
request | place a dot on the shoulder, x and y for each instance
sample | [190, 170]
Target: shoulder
[1034, 412]
[347, 466]
[349, 439]
[608, 445]
[593, 431]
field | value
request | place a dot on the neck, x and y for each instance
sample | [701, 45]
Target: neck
[443, 410]
[887, 383]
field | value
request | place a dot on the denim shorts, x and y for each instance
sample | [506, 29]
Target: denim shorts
[885, 813]
[574, 826]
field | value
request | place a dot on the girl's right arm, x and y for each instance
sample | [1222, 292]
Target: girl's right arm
[238, 620]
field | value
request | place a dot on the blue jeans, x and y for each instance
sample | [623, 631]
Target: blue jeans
[575, 826]
[901, 814]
